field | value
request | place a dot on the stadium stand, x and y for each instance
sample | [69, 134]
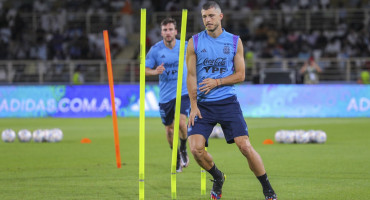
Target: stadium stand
[44, 41]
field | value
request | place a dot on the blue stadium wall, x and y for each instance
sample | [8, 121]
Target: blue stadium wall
[256, 101]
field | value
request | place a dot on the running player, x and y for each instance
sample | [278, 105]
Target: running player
[163, 59]
[215, 63]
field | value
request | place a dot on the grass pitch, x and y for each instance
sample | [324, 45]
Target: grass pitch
[336, 170]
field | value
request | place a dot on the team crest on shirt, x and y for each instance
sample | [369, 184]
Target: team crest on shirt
[226, 49]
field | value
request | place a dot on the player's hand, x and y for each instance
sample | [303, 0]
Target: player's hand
[160, 69]
[207, 85]
[193, 113]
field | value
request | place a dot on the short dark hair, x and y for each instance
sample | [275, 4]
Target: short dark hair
[210, 4]
[168, 20]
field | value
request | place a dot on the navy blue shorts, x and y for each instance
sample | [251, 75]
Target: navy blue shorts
[227, 113]
[167, 110]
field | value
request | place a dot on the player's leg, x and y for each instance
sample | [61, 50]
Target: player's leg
[236, 130]
[166, 112]
[183, 135]
[256, 165]
[205, 160]
[198, 136]
[167, 116]
[169, 135]
[184, 112]
[201, 156]
[254, 159]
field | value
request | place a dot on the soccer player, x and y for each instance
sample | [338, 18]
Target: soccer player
[215, 63]
[163, 60]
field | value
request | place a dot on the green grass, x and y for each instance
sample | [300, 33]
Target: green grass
[336, 170]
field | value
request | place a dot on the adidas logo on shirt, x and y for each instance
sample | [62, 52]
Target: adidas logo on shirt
[163, 56]
[204, 51]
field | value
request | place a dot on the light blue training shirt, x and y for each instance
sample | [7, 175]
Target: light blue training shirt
[215, 59]
[159, 54]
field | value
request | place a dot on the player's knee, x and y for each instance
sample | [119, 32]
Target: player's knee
[169, 132]
[184, 129]
[183, 126]
[245, 147]
[197, 152]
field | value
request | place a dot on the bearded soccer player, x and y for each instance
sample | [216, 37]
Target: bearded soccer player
[215, 63]
[162, 60]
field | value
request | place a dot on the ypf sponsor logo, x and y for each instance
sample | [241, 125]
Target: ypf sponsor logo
[213, 69]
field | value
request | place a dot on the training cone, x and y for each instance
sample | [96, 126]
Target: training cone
[268, 141]
[85, 141]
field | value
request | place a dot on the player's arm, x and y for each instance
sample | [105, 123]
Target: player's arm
[151, 72]
[191, 82]
[151, 60]
[239, 66]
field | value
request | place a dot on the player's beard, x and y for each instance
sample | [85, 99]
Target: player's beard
[169, 39]
[213, 30]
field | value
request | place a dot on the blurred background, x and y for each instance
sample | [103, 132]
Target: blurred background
[60, 42]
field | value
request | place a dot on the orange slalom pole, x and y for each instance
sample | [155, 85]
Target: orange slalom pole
[112, 96]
